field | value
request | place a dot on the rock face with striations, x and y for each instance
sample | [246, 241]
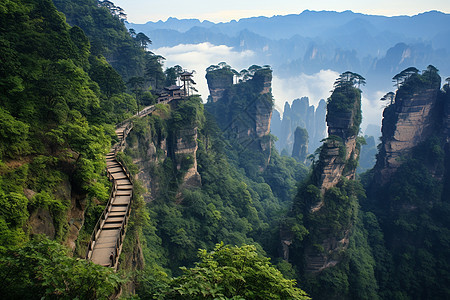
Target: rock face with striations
[244, 110]
[218, 82]
[327, 195]
[299, 114]
[185, 153]
[340, 151]
[300, 148]
[407, 122]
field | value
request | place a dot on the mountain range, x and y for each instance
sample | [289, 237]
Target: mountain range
[377, 47]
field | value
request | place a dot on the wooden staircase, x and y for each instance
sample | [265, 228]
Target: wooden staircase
[109, 232]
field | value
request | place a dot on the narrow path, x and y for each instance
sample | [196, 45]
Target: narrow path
[109, 232]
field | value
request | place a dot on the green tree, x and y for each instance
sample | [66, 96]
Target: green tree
[143, 40]
[43, 270]
[233, 272]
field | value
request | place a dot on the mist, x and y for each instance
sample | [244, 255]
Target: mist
[316, 86]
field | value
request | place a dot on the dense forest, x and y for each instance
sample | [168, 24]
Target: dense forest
[217, 212]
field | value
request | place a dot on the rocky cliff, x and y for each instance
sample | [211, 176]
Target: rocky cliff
[299, 114]
[412, 118]
[244, 110]
[218, 82]
[166, 139]
[339, 154]
[300, 148]
[325, 203]
[185, 154]
[409, 192]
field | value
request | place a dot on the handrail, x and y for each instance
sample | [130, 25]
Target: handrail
[115, 149]
[99, 221]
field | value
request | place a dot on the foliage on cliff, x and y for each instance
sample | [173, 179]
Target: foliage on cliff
[43, 269]
[57, 105]
[233, 272]
[412, 209]
[107, 34]
[228, 207]
[326, 223]
[243, 113]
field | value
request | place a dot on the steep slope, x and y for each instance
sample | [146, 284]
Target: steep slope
[323, 235]
[409, 190]
[244, 110]
[409, 121]
[299, 114]
[335, 165]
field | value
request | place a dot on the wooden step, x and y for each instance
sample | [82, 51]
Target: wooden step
[111, 219]
[117, 214]
[111, 226]
[118, 208]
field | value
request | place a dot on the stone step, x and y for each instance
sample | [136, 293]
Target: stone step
[121, 200]
[123, 193]
[120, 176]
[124, 187]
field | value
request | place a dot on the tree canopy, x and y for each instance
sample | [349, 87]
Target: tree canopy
[233, 272]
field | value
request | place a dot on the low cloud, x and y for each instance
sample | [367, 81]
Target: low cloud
[319, 86]
[200, 56]
[316, 86]
[372, 109]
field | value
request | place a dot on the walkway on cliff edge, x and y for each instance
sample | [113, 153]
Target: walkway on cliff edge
[109, 232]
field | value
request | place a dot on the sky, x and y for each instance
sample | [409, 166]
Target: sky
[315, 86]
[141, 11]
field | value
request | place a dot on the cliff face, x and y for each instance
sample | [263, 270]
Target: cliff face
[244, 110]
[340, 150]
[409, 121]
[325, 204]
[165, 138]
[218, 81]
[185, 153]
[300, 148]
[299, 114]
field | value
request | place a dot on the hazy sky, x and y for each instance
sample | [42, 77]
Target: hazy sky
[141, 11]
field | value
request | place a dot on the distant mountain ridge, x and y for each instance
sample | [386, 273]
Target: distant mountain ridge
[311, 24]
[375, 46]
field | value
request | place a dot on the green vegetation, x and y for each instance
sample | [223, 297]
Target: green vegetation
[53, 138]
[229, 206]
[62, 89]
[232, 273]
[412, 210]
[43, 269]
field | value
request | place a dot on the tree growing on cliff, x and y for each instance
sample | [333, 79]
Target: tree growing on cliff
[143, 40]
[233, 273]
[404, 75]
[388, 97]
[349, 79]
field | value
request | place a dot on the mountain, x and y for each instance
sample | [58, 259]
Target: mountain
[408, 189]
[299, 114]
[320, 40]
[321, 236]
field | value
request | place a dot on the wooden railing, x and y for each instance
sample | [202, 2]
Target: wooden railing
[100, 221]
[123, 227]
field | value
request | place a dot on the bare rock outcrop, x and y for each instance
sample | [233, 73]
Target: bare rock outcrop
[300, 148]
[413, 124]
[218, 82]
[185, 151]
[410, 120]
[243, 110]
